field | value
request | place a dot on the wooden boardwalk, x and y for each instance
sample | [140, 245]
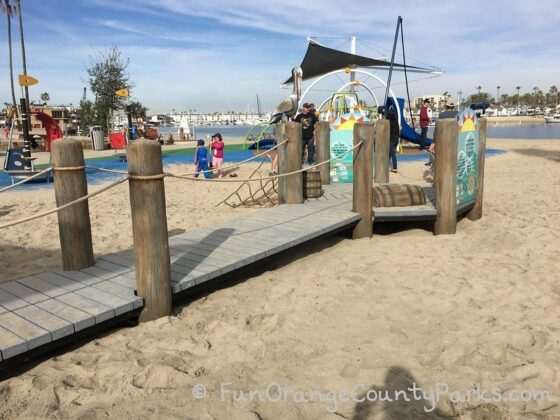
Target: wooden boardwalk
[38, 311]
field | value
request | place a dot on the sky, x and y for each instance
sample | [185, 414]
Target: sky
[217, 55]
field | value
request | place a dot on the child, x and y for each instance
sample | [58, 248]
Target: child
[201, 160]
[217, 148]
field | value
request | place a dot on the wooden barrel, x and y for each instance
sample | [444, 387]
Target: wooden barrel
[398, 195]
[312, 183]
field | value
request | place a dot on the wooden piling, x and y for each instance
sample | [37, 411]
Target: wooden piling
[74, 226]
[382, 139]
[362, 192]
[149, 227]
[290, 188]
[445, 177]
[323, 150]
[476, 212]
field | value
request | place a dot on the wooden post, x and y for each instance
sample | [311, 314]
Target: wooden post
[290, 188]
[73, 222]
[281, 150]
[323, 150]
[362, 192]
[149, 226]
[382, 128]
[445, 177]
[476, 211]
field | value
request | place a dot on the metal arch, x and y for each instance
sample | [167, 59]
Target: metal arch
[360, 84]
[357, 71]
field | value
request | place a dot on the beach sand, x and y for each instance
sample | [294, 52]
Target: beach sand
[378, 315]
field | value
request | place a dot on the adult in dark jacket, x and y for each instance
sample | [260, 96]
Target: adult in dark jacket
[307, 119]
[393, 137]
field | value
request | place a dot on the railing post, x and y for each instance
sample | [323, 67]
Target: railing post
[290, 188]
[382, 131]
[149, 227]
[362, 191]
[70, 183]
[323, 149]
[476, 211]
[445, 176]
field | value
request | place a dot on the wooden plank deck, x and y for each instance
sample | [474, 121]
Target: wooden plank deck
[40, 309]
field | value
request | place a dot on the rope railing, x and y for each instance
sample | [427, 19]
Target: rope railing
[169, 174]
[32, 177]
[46, 213]
[233, 165]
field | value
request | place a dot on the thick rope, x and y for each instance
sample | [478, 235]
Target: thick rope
[37, 175]
[235, 164]
[46, 213]
[269, 177]
[69, 168]
[147, 177]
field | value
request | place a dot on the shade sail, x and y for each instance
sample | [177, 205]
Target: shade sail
[320, 60]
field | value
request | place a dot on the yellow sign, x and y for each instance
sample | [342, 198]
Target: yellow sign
[122, 92]
[27, 80]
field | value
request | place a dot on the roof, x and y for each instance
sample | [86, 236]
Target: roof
[320, 60]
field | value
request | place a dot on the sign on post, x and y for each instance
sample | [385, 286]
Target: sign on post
[25, 80]
[467, 156]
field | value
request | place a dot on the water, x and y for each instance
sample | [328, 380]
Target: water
[536, 131]
[521, 131]
[205, 132]
[496, 131]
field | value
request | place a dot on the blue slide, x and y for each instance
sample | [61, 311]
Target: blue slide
[407, 133]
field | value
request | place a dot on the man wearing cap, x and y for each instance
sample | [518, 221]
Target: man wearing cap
[450, 112]
[425, 121]
[307, 119]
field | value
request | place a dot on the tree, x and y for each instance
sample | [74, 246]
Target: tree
[9, 10]
[86, 115]
[45, 97]
[138, 111]
[107, 74]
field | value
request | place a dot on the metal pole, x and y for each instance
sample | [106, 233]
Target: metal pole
[399, 22]
[26, 150]
[129, 118]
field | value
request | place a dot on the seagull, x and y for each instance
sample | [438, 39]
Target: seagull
[289, 106]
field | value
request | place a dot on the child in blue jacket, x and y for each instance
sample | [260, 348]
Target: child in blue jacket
[201, 160]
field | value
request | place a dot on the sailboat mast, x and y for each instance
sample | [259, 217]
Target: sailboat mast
[258, 105]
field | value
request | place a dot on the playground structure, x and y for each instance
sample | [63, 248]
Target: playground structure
[49, 309]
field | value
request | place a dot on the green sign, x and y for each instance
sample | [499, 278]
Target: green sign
[342, 135]
[467, 157]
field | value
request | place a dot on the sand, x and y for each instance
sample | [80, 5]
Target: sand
[378, 315]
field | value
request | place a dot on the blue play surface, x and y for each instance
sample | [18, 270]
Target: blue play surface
[112, 162]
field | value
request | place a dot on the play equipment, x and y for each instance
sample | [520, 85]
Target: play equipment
[19, 162]
[261, 136]
[407, 132]
[51, 127]
[117, 140]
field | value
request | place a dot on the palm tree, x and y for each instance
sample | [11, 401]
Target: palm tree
[45, 97]
[8, 9]
[459, 99]
[518, 88]
[24, 61]
[478, 96]
[498, 95]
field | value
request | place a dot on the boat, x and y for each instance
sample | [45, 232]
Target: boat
[553, 119]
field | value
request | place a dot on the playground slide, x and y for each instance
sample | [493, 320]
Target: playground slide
[407, 132]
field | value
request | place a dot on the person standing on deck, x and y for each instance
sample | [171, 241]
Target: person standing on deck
[450, 112]
[307, 119]
[393, 137]
[425, 121]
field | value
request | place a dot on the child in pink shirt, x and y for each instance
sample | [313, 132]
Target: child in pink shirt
[217, 148]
